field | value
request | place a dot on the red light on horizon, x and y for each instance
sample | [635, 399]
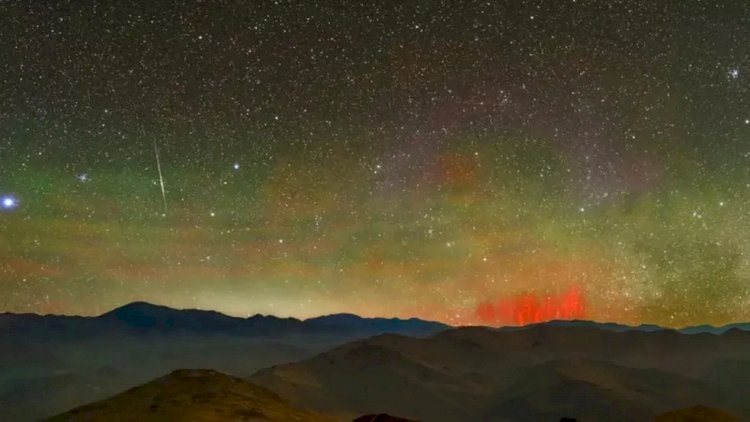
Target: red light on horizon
[530, 308]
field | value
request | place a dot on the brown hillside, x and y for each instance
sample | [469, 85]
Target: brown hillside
[194, 395]
[698, 413]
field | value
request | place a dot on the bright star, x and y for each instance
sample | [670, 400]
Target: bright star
[734, 73]
[83, 177]
[8, 202]
[236, 166]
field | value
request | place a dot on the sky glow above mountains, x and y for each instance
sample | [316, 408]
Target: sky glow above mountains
[489, 162]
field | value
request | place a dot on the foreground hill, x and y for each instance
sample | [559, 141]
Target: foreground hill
[697, 414]
[50, 363]
[535, 374]
[209, 396]
[193, 395]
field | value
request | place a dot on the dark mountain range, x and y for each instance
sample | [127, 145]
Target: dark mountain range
[540, 373]
[52, 363]
[209, 396]
[611, 326]
[142, 317]
[426, 372]
[710, 329]
[146, 317]
[698, 329]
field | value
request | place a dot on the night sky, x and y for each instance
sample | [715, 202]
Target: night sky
[494, 162]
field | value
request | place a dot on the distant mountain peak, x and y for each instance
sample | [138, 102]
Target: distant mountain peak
[144, 315]
[140, 307]
[337, 319]
[349, 317]
[374, 326]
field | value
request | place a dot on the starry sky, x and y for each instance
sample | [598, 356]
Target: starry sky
[473, 162]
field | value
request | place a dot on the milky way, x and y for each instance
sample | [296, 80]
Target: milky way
[471, 162]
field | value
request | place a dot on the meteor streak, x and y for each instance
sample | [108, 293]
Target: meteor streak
[161, 178]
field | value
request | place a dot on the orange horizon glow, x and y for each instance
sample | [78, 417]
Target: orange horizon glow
[531, 308]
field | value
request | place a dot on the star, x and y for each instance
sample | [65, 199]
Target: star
[83, 177]
[236, 166]
[8, 202]
[734, 73]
